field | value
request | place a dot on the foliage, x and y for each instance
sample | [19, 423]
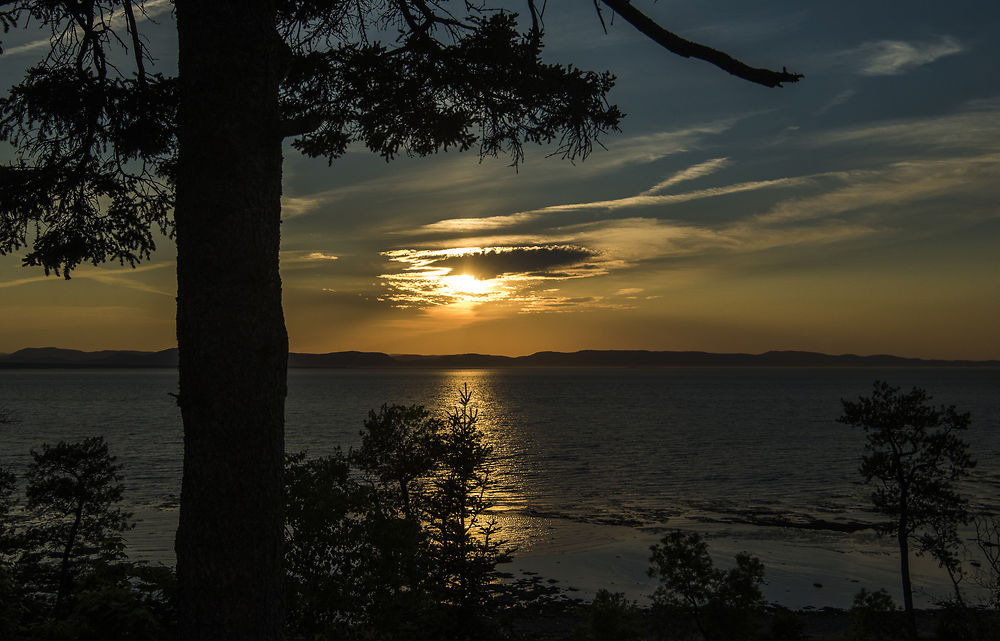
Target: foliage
[9, 605]
[400, 446]
[120, 602]
[463, 536]
[719, 604]
[63, 572]
[106, 153]
[8, 485]
[610, 616]
[786, 626]
[955, 622]
[914, 460]
[96, 133]
[72, 493]
[988, 542]
[394, 538]
[328, 556]
[874, 617]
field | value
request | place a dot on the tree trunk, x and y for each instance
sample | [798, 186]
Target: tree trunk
[230, 328]
[65, 581]
[904, 573]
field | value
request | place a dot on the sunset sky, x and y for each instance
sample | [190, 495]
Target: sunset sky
[856, 212]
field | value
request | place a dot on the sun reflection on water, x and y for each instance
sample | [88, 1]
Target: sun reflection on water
[509, 493]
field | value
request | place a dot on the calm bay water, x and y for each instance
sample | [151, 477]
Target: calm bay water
[591, 463]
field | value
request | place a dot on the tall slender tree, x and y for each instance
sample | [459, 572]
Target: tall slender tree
[914, 459]
[108, 152]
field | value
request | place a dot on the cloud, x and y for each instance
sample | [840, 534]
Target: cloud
[23, 281]
[836, 101]
[535, 261]
[894, 57]
[691, 173]
[305, 256]
[150, 9]
[847, 205]
[645, 199]
[711, 192]
[474, 275]
[459, 174]
[892, 201]
[976, 128]
[460, 225]
[652, 147]
[320, 256]
[545, 304]
[634, 241]
[298, 259]
[885, 192]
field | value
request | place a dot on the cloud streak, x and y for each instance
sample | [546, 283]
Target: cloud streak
[461, 175]
[895, 57]
[691, 173]
[645, 199]
[975, 129]
[150, 9]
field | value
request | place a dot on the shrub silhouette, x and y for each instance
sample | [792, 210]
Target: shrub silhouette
[694, 595]
[395, 538]
[874, 617]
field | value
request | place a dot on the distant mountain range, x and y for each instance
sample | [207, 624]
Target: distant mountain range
[55, 357]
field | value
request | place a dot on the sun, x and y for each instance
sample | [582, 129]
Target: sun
[466, 285]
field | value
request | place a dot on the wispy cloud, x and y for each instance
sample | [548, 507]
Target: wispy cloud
[841, 98]
[889, 188]
[691, 173]
[652, 147]
[636, 241]
[150, 9]
[460, 174]
[670, 199]
[17, 282]
[894, 57]
[645, 199]
[124, 277]
[977, 128]
[462, 225]
[844, 205]
[304, 259]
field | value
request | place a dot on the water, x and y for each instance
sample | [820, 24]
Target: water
[592, 464]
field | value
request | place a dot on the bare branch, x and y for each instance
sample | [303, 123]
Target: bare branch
[675, 44]
[136, 44]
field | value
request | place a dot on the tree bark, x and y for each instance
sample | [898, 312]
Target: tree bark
[230, 328]
[903, 537]
[65, 583]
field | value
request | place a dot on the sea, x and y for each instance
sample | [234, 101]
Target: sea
[591, 465]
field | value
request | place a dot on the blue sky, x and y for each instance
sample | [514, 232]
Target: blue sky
[855, 212]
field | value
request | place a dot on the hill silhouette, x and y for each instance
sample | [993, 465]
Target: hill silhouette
[53, 357]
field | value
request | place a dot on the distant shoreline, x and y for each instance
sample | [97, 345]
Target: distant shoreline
[54, 357]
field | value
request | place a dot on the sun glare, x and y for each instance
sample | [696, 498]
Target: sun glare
[466, 285]
[442, 277]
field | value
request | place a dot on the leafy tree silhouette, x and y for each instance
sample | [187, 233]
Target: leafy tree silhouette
[718, 604]
[75, 524]
[109, 152]
[394, 539]
[914, 459]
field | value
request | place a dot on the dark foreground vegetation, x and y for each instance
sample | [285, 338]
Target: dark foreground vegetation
[394, 540]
